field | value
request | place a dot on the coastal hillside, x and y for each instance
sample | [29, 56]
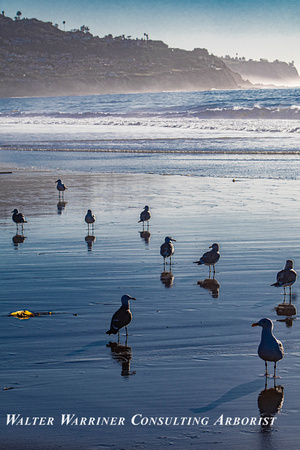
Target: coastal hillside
[39, 59]
[263, 72]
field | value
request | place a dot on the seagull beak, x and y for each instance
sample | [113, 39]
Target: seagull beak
[173, 240]
[255, 324]
[132, 298]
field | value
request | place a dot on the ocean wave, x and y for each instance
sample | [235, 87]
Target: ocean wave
[141, 151]
[196, 112]
[73, 123]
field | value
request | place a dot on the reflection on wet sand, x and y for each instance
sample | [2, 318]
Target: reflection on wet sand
[122, 354]
[90, 239]
[212, 285]
[61, 206]
[270, 403]
[145, 234]
[167, 278]
[288, 310]
[18, 239]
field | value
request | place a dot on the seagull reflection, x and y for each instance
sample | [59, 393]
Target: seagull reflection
[18, 239]
[288, 310]
[90, 239]
[145, 234]
[270, 403]
[122, 354]
[167, 279]
[212, 285]
[61, 206]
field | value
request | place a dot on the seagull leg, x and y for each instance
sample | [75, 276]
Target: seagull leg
[118, 336]
[126, 331]
[266, 365]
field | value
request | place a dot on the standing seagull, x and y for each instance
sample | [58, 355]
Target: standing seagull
[61, 187]
[90, 219]
[210, 258]
[270, 348]
[167, 249]
[145, 216]
[122, 317]
[286, 277]
[18, 217]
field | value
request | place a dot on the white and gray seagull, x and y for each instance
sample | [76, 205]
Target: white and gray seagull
[286, 277]
[122, 317]
[61, 187]
[210, 258]
[167, 249]
[145, 216]
[90, 218]
[18, 218]
[270, 348]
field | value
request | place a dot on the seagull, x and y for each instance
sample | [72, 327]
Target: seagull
[61, 187]
[122, 317]
[145, 215]
[210, 258]
[90, 218]
[167, 248]
[286, 277]
[18, 217]
[270, 348]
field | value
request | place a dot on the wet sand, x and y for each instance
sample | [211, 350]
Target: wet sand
[191, 352]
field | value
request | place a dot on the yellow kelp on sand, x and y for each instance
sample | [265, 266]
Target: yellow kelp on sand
[25, 314]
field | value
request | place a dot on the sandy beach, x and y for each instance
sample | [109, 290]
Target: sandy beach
[191, 356]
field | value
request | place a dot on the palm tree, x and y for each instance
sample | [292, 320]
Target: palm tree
[18, 15]
[64, 24]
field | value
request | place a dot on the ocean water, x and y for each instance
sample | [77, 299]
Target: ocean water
[244, 133]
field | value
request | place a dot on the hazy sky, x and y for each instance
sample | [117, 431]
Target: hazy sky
[254, 29]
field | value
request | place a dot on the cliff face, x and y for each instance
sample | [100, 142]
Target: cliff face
[38, 59]
[276, 73]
